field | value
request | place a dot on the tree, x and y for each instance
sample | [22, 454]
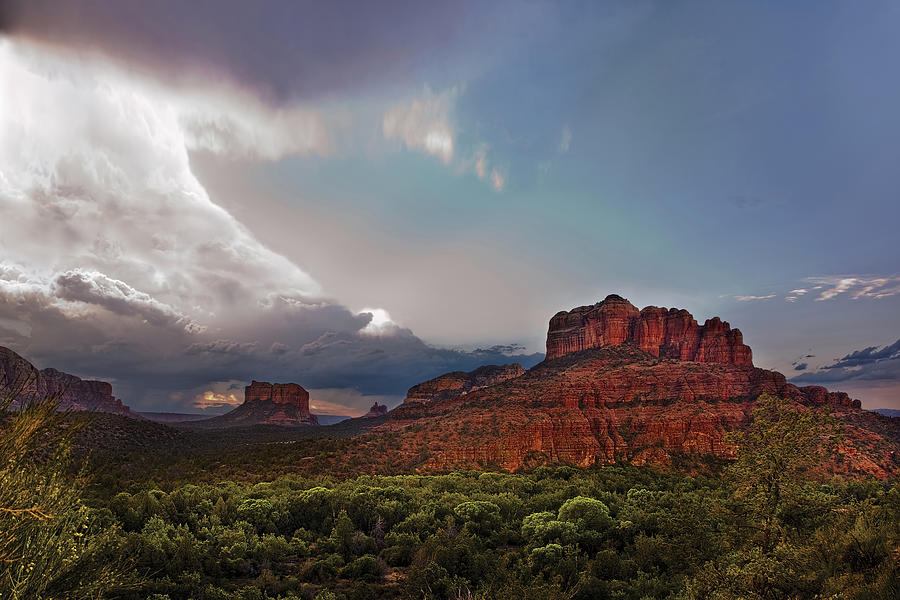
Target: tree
[775, 454]
[775, 508]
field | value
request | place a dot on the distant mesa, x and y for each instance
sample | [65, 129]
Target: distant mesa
[667, 333]
[377, 410]
[21, 378]
[459, 383]
[267, 404]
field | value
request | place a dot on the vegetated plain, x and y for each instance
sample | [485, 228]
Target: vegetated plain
[142, 510]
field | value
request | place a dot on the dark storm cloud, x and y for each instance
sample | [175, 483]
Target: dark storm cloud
[155, 366]
[801, 367]
[867, 356]
[288, 49]
[221, 347]
[508, 349]
[869, 364]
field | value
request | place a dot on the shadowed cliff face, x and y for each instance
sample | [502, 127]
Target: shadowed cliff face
[669, 333]
[20, 377]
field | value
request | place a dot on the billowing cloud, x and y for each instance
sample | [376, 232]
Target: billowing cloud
[424, 124]
[380, 322]
[97, 186]
[117, 264]
[93, 288]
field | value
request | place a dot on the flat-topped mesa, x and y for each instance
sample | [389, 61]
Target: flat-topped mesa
[667, 333]
[266, 403]
[279, 393]
[459, 383]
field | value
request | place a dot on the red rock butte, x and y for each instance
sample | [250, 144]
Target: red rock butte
[266, 403]
[279, 393]
[663, 332]
[620, 384]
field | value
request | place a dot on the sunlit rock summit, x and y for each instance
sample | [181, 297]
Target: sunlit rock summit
[621, 384]
[667, 333]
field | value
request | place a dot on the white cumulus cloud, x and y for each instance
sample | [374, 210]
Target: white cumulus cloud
[98, 196]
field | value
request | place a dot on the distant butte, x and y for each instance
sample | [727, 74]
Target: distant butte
[267, 404]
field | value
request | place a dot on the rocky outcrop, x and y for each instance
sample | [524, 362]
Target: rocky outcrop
[619, 404]
[21, 379]
[667, 333]
[266, 403]
[621, 385]
[459, 383]
[377, 410]
[816, 395]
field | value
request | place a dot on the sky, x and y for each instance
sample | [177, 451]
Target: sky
[361, 196]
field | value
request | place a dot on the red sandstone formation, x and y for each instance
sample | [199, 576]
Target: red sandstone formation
[267, 404]
[459, 383]
[617, 385]
[377, 410]
[20, 378]
[669, 333]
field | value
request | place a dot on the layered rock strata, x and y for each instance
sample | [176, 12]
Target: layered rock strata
[621, 385]
[266, 403]
[668, 333]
